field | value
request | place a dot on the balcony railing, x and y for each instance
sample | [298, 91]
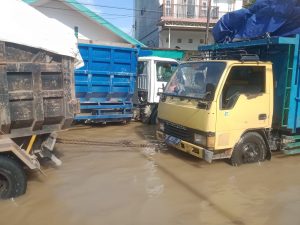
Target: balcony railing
[188, 11]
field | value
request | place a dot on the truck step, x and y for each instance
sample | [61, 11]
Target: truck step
[291, 151]
[295, 137]
[292, 145]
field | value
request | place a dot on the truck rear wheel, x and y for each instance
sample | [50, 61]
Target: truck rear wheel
[13, 182]
[250, 149]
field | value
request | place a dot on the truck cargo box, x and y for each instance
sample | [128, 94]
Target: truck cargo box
[105, 85]
[36, 91]
[283, 52]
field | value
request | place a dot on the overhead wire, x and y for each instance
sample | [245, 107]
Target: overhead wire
[103, 6]
[100, 13]
[117, 16]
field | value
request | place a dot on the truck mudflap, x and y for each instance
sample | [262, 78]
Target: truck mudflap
[46, 149]
[8, 145]
[30, 157]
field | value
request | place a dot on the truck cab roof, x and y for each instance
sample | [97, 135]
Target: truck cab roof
[148, 58]
[229, 62]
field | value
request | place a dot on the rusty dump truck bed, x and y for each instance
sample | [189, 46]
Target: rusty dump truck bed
[36, 91]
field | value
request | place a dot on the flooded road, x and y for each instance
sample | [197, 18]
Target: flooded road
[129, 180]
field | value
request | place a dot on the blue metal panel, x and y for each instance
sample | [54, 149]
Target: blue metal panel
[294, 100]
[105, 84]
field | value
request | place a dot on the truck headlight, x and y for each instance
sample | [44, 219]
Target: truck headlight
[200, 139]
[161, 126]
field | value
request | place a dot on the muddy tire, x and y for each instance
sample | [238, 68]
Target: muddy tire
[250, 149]
[13, 182]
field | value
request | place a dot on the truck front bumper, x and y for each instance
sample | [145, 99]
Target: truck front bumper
[190, 148]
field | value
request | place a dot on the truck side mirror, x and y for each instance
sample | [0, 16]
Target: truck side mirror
[210, 91]
[161, 90]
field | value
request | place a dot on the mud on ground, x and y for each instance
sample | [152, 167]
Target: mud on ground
[119, 174]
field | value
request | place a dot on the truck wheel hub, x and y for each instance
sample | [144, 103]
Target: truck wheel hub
[251, 152]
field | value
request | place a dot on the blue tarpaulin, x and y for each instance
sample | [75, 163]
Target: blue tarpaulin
[275, 17]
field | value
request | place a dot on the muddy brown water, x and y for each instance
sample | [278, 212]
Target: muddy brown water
[146, 184]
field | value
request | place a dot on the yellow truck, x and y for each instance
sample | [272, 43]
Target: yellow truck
[236, 106]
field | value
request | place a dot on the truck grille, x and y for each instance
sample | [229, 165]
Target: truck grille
[178, 132]
[142, 82]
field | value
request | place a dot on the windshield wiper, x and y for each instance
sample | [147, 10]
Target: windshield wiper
[181, 96]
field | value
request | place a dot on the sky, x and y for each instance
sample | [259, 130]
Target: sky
[121, 18]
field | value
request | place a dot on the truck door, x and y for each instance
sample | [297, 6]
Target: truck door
[244, 103]
[162, 74]
[142, 80]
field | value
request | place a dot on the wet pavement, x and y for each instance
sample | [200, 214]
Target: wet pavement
[118, 174]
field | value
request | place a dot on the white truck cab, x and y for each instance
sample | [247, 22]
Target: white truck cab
[153, 73]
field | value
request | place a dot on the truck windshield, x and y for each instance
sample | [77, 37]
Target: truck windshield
[195, 79]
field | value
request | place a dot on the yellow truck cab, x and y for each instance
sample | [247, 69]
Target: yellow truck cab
[241, 104]
[211, 107]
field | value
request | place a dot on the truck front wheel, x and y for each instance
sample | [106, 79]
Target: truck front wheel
[13, 181]
[250, 149]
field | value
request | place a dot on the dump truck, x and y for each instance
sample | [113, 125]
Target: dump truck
[239, 102]
[105, 84]
[38, 56]
[37, 100]
[153, 73]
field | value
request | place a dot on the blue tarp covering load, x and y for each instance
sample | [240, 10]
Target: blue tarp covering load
[276, 17]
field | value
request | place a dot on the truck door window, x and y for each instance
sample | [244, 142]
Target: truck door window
[248, 80]
[164, 70]
[142, 68]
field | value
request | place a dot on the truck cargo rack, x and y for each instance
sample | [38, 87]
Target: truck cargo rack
[239, 54]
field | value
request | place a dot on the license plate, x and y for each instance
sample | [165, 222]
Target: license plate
[172, 140]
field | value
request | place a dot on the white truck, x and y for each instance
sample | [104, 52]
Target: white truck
[153, 73]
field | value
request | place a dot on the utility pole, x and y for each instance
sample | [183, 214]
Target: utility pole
[207, 22]
[169, 37]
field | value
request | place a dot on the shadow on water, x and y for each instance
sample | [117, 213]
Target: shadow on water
[234, 219]
[145, 132]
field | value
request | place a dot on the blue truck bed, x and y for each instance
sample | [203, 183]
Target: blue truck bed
[283, 52]
[105, 84]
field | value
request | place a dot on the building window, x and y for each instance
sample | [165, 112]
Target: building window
[167, 40]
[168, 8]
[201, 41]
[190, 40]
[203, 12]
[179, 40]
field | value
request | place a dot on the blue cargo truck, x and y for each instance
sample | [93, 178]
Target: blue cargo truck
[239, 101]
[105, 84]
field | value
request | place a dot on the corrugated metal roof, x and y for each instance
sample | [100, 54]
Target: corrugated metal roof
[98, 19]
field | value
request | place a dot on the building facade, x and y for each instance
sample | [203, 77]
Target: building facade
[178, 23]
[88, 25]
